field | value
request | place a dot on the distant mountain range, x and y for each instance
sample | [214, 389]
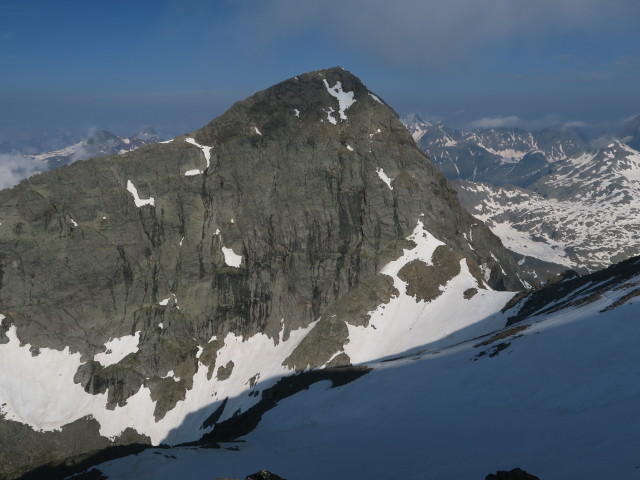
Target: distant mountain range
[630, 133]
[554, 199]
[499, 156]
[97, 145]
[24, 158]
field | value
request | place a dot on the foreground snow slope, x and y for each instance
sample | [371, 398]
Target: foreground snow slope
[556, 395]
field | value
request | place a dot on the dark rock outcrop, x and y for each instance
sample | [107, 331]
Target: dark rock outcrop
[261, 475]
[515, 474]
[571, 290]
[264, 475]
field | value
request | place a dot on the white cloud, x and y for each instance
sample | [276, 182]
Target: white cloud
[15, 168]
[495, 122]
[575, 124]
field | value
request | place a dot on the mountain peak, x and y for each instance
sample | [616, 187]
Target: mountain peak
[333, 98]
[268, 242]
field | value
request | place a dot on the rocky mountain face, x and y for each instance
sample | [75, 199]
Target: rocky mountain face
[552, 200]
[150, 296]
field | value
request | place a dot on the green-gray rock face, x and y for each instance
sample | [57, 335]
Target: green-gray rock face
[277, 214]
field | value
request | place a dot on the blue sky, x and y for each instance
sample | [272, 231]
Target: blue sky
[175, 65]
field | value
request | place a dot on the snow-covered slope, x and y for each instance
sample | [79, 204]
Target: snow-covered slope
[585, 215]
[557, 394]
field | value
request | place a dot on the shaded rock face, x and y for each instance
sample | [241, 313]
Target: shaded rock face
[261, 475]
[279, 211]
[264, 475]
[424, 281]
[24, 449]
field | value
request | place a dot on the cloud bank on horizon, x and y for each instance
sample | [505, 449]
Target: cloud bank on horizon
[15, 168]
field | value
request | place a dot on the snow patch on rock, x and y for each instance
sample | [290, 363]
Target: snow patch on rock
[231, 258]
[206, 151]
[117, 349]
[140, 202]
[375, 97]
[345, 99]
[384, 177]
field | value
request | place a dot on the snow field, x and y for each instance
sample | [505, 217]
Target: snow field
[39, 390]
[118, 348]
[345, 100]
[406, 324]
